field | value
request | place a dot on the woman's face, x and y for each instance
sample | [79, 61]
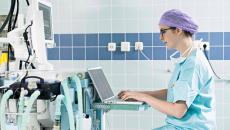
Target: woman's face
[169, 36]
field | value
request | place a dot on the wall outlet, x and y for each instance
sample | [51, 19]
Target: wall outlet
[139, 46]
[125, 46]
[111, 46]
[200, 44]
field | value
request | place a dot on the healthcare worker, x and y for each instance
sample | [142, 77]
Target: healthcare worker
[189, 101]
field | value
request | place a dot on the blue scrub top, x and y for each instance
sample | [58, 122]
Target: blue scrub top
[193, 82]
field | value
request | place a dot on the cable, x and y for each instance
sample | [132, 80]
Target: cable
[25, 36]
[27, 1]
[146, 57]
[8, 58]
[7, 18]
[16, 15]
[205, 53]
[23, 78]
[11, 15]
[27, 61]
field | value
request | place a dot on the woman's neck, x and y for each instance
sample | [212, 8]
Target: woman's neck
[184, 45]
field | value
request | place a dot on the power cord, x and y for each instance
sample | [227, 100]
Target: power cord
[16, 16]
[25, 36]
[205, 53]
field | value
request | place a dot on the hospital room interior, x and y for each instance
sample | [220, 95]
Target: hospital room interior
[114, 65]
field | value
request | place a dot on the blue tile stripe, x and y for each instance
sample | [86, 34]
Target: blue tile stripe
[94, 46]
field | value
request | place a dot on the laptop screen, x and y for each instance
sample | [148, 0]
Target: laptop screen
[100, 83]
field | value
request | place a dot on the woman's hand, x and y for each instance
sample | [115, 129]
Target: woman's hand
[132, 95]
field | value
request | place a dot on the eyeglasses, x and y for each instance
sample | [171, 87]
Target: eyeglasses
[163, 31]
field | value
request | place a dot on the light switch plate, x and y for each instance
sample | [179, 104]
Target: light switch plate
[125, 46]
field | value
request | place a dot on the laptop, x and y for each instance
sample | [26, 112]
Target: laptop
[104, 90]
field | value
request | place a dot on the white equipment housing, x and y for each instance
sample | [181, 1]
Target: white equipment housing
[38, 36]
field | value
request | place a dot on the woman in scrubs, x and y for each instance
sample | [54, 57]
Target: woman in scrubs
[189, 101]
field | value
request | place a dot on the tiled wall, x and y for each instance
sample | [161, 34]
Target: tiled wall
[94, 46]
[84, 27]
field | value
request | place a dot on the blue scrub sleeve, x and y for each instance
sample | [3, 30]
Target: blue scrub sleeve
[183, 92]
[186, 87]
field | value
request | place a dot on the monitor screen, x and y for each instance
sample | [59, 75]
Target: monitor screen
[47, 18]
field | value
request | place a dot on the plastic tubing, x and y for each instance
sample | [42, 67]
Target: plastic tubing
[21, 106]
[68, 103]
[58, 106]
[25, 117]
[78, 88]
[5, 97]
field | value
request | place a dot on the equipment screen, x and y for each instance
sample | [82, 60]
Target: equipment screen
[47, 21]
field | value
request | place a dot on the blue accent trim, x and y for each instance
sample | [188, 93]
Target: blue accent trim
[78, 53]
[159, 53]
[92, 40]
[118, 55]
[118, 38]
[216, 38]
[226, 38]
[146, 38]
[156, 40]
[78, 39]
[92, 53]
[104, 54]
[132, 38]
[153, 46]
[227, 53]
[216, 53]
[66, 40]
[148, 52]
[104, 39]
[53, 53]
[202, 35]
[132, 55]
[65, 53]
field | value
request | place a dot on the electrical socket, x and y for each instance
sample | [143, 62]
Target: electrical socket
[111, 46]
[207, 45]
[200, 45]
[139, 46]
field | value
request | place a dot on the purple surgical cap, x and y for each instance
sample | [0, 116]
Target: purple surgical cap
[178, 19]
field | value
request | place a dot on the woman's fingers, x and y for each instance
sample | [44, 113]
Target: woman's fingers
[124, 96]
[122, 93]
[127, 96]
[130, 97]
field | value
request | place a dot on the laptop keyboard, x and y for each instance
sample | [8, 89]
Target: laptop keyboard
[119, 101]
[114, 100]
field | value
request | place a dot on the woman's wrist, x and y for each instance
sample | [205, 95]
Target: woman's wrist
[147, 98]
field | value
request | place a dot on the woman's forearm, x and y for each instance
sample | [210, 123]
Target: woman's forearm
[159, 94]
[177, 109]
[173, 109]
